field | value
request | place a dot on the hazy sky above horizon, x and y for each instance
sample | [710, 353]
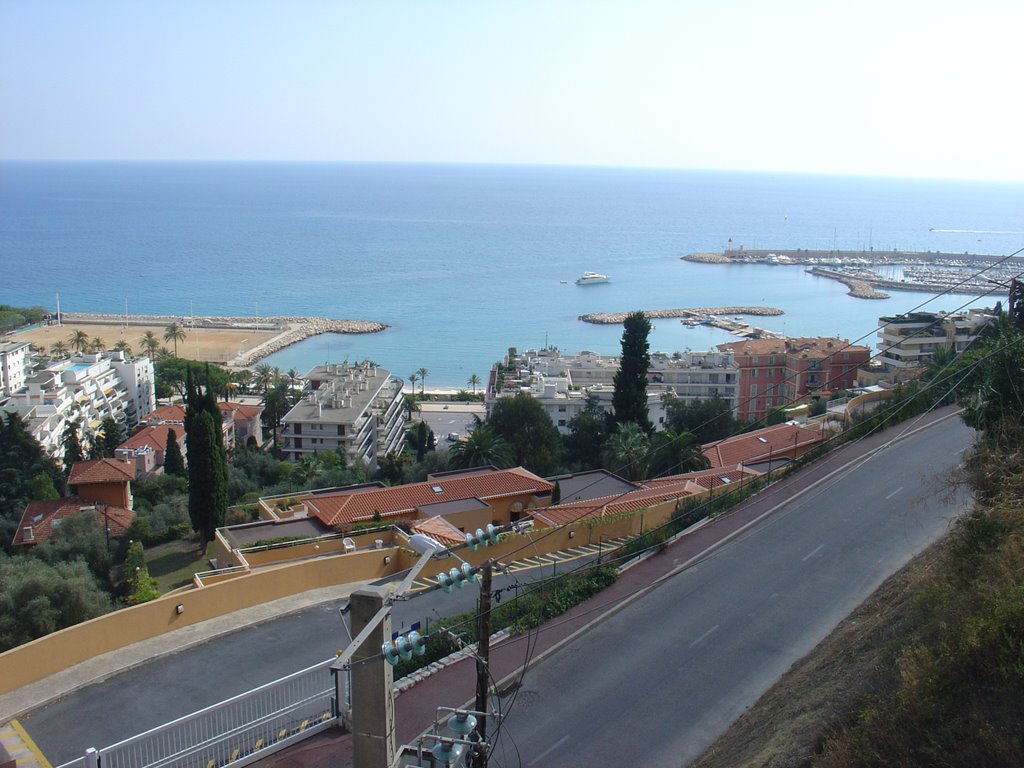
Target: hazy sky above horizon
[902, 88]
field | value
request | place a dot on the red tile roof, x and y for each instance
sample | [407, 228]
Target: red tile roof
[342, 509]
[173, 413]
[40, 516]
[101, 471]
[241, 412]
[154, 436]
[808, 346]
[440, 529]
[759, 445]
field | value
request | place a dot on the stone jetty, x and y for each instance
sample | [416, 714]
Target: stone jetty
[298, 329]
[616, 318]
[859, 289]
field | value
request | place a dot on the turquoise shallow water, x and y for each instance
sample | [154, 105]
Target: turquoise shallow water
[465, 261]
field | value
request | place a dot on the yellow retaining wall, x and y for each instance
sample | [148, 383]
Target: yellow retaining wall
[52, 653]
[225, 593]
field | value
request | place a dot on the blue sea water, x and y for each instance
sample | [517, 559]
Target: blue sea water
[463, 261]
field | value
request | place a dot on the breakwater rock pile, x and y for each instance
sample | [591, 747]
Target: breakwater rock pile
[707, 258]
[859, 289]
[616, 318]
[300, 328]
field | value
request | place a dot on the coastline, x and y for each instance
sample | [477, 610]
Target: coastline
[270, 333]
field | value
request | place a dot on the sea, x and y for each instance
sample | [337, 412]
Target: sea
[464, 261]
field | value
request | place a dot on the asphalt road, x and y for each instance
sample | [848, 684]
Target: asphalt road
[173, 686]
[716, 636]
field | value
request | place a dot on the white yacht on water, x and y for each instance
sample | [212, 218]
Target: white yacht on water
[589, 278]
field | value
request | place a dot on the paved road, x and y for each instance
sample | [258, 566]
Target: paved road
[716, 636]
[172, 686]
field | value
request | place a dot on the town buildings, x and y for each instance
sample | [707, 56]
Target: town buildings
[907, 343]
[357, 409]
[781, 372]
[85, 388]
[563, 384]
[14, 366]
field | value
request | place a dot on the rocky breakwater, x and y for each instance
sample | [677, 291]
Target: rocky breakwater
[859, 289]
[616, 318]
[298, 329]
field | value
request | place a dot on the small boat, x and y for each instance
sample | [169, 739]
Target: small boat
[590, 278]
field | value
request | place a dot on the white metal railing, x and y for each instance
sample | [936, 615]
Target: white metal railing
[237, 731]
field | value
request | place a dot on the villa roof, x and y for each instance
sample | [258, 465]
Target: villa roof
[239, 411]
[40, 516]
[172, 413]
[759, 445]
[563, 514]
[101, 471]
[154, 436]
[344, 508]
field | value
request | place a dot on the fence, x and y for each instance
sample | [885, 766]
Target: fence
[239, 730]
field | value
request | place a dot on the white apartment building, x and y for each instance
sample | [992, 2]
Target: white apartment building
[357, 408]
[86, 388]
[563, 383]
[15, 362]
[908, 342]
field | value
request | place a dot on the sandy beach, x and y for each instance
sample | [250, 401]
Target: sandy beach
[237, 342]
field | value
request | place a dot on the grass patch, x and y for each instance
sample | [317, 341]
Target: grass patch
[173, 563]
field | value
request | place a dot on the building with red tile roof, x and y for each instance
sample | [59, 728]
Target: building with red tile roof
[780, 372]
[466, 499]
[41, 518]
[107, 481]
[239, 421]
[145, 449]
[781, 441]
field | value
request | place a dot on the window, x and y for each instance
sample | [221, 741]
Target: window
[753, 390]
[561, 422]
[753, 373]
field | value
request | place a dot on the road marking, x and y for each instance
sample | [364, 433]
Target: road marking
[812, 553]
[705, 636]
[894, 493]
[548, 751]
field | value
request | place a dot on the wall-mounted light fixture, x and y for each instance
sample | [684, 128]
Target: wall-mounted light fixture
[572, 534]
[387, 559]
[179, 608]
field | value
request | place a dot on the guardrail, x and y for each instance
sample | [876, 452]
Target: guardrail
[237, 731]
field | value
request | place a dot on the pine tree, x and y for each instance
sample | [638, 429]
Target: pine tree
[630, 397]
[111, 435]
[174, 463]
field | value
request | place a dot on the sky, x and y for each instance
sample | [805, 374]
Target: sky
[895, 87]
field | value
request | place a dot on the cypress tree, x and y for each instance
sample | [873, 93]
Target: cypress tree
[207, 459]
[174, 463]
[630, 397]
[72, 446]
[111, 435]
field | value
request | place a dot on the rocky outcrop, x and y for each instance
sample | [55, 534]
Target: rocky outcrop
[616, 318]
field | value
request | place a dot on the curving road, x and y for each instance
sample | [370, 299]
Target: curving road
[714, 637]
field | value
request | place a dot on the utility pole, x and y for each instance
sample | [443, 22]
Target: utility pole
[373, 705]
[483, 652]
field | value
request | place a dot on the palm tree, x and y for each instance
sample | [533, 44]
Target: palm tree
[175, 333]
[263, 375]
[413, 378]
[473, 381]
[123, 346]
[79, 340]
[151, 344]
[626, 451]
[292, 376]
[409, 401]
[59, 349]
[480, 448]
[673, 453]
[96, 345]
[423, 379]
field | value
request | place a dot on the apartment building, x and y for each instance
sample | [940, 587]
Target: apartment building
[85, 388]
[357, 408]
[15, 362]
[780, 372]
[907, 343]
[563, 384]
